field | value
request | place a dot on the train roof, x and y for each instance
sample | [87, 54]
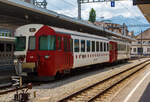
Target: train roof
[60, 30]
[2, 38]
[76, 33]
[22, 30]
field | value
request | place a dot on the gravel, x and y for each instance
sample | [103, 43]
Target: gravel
[56, 90]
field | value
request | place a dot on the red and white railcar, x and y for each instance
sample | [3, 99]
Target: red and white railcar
[22, 35]
[56, 50]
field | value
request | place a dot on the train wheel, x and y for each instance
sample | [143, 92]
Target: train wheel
[58, 76]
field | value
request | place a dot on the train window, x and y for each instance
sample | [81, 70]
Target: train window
[76, 45]
[88, 46]
[3, 34]
[93, 46]
[47, 42]
[128, 48]
[97, 46]
[104, 46]
[2, 46]
[110, 47]
[71, 45]
[107, 47]
[82, 45]
[125, 48]
[101, 46]
[134, 49]
[32, 43]
[122, 47]
[118, 47]
[20, 43]
[148, 49]
[66, 47]
[59, 43]
[8, 47]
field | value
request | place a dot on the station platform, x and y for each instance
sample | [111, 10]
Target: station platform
[138, 90]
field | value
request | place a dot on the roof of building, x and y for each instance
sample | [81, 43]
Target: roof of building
[33, 14]
[144, 35]
[145, 10]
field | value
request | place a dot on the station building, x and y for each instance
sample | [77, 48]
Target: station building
[6, 32]
[115, 28]
[141, 47]
[28, 1]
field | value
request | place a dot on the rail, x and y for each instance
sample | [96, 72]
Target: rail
[90, 93]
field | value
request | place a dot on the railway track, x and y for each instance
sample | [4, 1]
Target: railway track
[8, 90]
[93, 92]
[13, 87]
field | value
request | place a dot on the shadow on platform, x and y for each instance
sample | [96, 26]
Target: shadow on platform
[146, 95]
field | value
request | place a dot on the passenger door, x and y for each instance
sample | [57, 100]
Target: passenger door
[113, 52]
[66, 51]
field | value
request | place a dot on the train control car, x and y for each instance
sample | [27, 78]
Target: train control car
[51, 51]
[7, 68]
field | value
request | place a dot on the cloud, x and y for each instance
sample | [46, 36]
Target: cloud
[103, 9]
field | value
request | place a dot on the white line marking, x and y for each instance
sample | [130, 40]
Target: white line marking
[130, 94]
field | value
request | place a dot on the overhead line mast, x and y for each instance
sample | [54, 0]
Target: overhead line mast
[42, 4]
[89, 1]
[135, 2]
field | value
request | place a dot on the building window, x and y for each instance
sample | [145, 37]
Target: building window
[8, 47]
[1, 47]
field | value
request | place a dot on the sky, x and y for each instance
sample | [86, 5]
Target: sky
[103, 9]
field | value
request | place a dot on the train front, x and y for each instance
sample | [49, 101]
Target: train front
[22, 35]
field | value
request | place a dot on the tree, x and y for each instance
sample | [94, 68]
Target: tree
[92, 15]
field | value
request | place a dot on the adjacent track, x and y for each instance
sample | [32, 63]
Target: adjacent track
[92, 92]
[11, 90]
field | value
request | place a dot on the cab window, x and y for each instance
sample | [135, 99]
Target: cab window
[47, 42]
[32, 43]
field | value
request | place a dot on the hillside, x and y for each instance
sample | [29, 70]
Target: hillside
[128, 21]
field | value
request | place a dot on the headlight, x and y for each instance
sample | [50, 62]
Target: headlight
[47, 56]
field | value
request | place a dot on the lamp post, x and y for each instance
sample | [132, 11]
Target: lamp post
[141, 44]
[79, 9]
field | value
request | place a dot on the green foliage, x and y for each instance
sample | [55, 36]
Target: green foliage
[92, 15]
